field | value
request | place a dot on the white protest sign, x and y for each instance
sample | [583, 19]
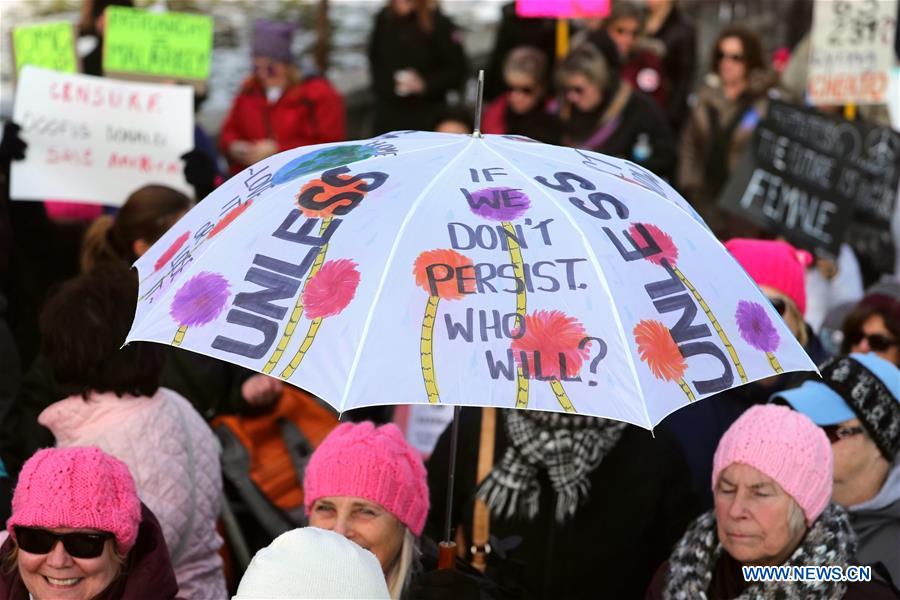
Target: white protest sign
[97, 140]
[423, 424]
[852, 51]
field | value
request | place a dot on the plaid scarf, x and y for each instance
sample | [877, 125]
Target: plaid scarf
[567, 447]
[828, 542]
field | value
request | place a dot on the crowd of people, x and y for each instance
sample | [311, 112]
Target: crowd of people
[146, 471]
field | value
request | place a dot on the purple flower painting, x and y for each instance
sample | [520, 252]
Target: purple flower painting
[498, 203]
[200, 300]
[756, 327]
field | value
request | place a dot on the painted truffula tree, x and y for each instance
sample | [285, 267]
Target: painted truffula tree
[326, 294]
[337, 187]
[658, 349]
[757, 330]
[552, 349]
[198, 302]
[669, 253]
[505, 205]
[432, 270]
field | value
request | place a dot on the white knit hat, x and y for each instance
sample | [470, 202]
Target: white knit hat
[313, 563]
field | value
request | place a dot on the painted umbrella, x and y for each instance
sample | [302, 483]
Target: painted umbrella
[434, 268]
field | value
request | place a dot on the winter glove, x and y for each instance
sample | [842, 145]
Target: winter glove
[12, 147]
[444, 585]
[200, 172]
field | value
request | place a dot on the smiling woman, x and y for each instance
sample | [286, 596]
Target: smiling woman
[79, 532]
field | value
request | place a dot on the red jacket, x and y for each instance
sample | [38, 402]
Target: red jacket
[309, 112]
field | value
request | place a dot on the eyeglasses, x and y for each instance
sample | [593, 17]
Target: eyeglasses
[575, 89]
[877, 342]
[522, 89]
[78, 545]
[779, 304]
[836, 433]
[732, 57]
[625, 31]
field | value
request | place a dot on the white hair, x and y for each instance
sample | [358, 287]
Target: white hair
[405, 566]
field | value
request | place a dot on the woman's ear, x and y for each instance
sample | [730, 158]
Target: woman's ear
[139, 247]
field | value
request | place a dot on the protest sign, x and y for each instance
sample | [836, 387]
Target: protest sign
[852, 51]
[48, 45]
[810, 177]
[165, 45]
[92, 139]
[562, 9]
[423, 424]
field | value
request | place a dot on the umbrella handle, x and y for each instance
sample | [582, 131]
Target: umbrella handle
[447, 556]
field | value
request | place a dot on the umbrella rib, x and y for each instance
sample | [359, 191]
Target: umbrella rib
[596, 264]
[388, 262]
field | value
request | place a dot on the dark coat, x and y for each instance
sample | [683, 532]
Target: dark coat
[399, 43]
[639, 506]
[678, 38]
[148, 569]
[727, 585]
[538, 124]
[639, 115]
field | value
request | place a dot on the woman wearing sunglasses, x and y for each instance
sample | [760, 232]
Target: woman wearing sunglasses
[604, 114]
[727, 107]
[79, 532]
[874, 326]
[523, 109]
[857, 404]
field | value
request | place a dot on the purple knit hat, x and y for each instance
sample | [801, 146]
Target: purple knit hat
[272, 39]
[785, 445]
[375, 463]
[77, 488]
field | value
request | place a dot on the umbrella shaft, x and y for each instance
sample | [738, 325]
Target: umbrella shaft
[451, 474]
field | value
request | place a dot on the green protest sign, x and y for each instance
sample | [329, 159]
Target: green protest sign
[175, 45]
[48, 45]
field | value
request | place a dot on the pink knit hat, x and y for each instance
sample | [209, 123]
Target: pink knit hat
[775, 264]
[375, 463]
[785, 445]
[77, 488]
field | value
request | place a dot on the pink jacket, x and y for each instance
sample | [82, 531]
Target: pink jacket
[173, 456]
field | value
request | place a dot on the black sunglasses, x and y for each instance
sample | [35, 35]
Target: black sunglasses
[78, 545]
[877, 342]
[574, 89]
[836, 433]
[779, 304]
[524, 89]
[733, 57]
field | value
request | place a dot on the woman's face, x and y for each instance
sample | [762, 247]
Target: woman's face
[753, 516]
[583, 94]
[59, 576]
[524, 92]
[787, 308]
[368, 524]
[624, 32]
[403, 7]
[731, 60]
[271, 73]
[882, 339]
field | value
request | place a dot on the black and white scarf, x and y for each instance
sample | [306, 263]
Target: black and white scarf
[829, 542]
[567, 447]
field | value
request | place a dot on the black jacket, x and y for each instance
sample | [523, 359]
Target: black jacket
[640, 504]
[679, 39]
[640, 115]
[399, 43]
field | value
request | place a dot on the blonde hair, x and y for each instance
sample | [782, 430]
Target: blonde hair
[796, 323]
[588, 61]
[404, 568]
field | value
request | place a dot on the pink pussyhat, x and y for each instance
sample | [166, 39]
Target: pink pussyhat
[785, 445]
[77, 488]
[375, 463]
[775, 264]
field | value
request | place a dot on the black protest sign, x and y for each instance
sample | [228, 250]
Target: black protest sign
[811, 177]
